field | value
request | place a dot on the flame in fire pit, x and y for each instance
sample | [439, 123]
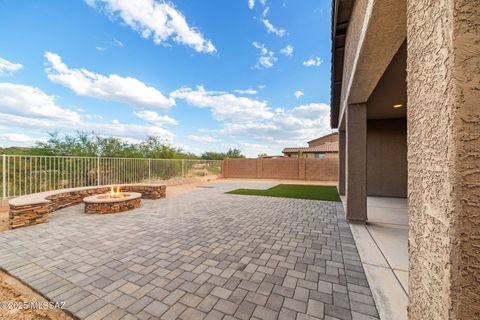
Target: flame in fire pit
[115, 193]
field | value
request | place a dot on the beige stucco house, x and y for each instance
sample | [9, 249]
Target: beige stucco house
[406, 102]
[319, 148]
[332, 137]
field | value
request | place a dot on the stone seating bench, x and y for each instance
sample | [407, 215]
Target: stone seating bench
[34, 208]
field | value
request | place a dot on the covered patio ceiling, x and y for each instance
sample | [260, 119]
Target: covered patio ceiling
[379, 41]
[389, 98]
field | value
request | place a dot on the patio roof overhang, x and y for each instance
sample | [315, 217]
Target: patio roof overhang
[365, 38]
[341, 10]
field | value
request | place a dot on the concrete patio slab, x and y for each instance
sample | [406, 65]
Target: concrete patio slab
[391, 300]
[403, 278]
[198, 255]
[393, 242]
[385, 215]
[383, 247]
[367, 248]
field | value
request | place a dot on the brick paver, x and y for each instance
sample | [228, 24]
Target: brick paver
[202, 255]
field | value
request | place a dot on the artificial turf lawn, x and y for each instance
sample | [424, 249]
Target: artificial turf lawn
[295, 191]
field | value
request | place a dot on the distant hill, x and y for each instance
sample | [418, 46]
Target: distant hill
[15, 150]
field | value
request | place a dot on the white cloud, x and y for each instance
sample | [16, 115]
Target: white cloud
[7, 67]
[313, 62]
[286, 128]
[128, 130]
[252, 150]
[33, 112]
[272, 29]
[249, 149]
[225, 106]
[112, 87]
[265, 12]
[265, 62]
[158, 20]
[259, 46]
[251, 4]
[246, 91]
[288, 50]
[118, 43]
[202, 139]
[298, 93]
[154, 118]
[26, 100]
[100, 48]
[118, 129]
[16, 137]
[267, 58]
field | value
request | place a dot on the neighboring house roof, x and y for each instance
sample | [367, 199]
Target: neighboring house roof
[327, 147]
[323, 137]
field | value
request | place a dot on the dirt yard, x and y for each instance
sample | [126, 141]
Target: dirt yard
[13, 292]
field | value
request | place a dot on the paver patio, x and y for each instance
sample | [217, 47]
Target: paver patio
[202, 255]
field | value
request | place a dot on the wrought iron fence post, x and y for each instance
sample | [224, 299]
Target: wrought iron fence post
[98, 171]
[183, 168]
[149, 170]
[4, 176]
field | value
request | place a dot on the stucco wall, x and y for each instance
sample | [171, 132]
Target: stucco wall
[321, 170]
[387, 157]
[323, 140]
[331, 155]
[444, 158]
[282, 168]
[239, 168]
[354, 30]
[286, 168]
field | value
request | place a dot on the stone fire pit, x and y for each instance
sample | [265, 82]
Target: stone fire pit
[112, 202]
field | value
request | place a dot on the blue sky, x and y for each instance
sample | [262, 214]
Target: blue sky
[203, 75]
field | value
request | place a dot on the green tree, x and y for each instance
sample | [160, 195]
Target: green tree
[79, 144]
[210, 155]
[234, 153]
[154, 147]
[93, 145]
[113, 147]
[231, 153]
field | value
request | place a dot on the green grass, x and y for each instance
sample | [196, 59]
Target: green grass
[295, 191]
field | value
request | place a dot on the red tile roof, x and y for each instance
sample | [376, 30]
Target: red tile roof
[327, 147]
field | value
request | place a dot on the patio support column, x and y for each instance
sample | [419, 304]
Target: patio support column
[443, 64]
[356, 162]
[341, 161]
